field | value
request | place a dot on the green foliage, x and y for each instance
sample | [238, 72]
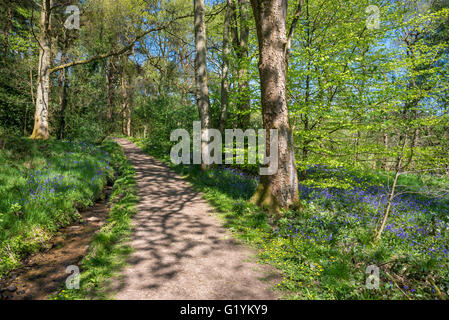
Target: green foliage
[161, 116]
[42, 184]
[85, 128]
[109, 248]
[362, 103]
[324, 251]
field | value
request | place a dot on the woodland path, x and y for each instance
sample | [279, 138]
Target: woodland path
[181, 250]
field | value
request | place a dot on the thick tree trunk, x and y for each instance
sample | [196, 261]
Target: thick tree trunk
[202, 91]
[225, 71]
[40, 130]
[279, 190]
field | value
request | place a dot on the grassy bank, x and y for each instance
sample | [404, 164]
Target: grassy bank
[43, 185]
[324, 252]
[108, 249]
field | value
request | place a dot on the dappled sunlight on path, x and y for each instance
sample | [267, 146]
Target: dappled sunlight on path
[181, 251]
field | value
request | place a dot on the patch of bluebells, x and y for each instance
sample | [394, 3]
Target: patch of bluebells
[242, 184]
[43, 184]
[416, 224]
[237, 183]
[40, 184]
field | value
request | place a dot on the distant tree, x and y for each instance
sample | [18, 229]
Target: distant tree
[40, 130]
[202, 90]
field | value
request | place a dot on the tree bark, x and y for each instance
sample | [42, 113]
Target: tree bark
[63, 86]
[279, 190]
[40, 130]
[109, 81]
[62, 102]
[25, 122]
[126, 123]
[202, 91]
[225, 71]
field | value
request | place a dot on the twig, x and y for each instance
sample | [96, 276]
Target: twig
[392, 279]
[437, 290]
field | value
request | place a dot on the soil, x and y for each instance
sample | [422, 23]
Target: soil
[44, 273]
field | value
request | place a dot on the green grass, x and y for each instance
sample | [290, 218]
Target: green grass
[43, 184]
[108, 249]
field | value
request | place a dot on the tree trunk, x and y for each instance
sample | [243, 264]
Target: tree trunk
[109, 81]
[62, 102]
[388, 207]
[305, 147]
[240, 44]
[245, 103]
[356, 146]
[6, 31]
[25, 122]
[125, 111]
[384, 159]
[397, 171]
[128, 123]
[40, 130]
[279, 190]
[225, 72]
[202, 91]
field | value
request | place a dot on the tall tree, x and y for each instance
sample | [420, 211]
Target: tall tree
[126, 111]
[225, 70]
[40, 130]
[202, 90]
[240, 37]
[7, 29]
[279, 190]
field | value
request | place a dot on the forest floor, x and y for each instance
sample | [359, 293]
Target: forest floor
[43, 273]
[180, 249]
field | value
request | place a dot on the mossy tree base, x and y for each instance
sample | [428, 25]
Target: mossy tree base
[40, 131]
[266, 199]
[39, 136]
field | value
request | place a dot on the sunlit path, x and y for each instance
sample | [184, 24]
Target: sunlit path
[180, 250]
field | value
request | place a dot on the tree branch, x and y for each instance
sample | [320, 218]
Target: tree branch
[115, 52]
[292, 29]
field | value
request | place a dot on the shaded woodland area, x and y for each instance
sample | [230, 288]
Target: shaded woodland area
[358, 91]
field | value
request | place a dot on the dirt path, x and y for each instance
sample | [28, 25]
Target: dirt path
[181, 251]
